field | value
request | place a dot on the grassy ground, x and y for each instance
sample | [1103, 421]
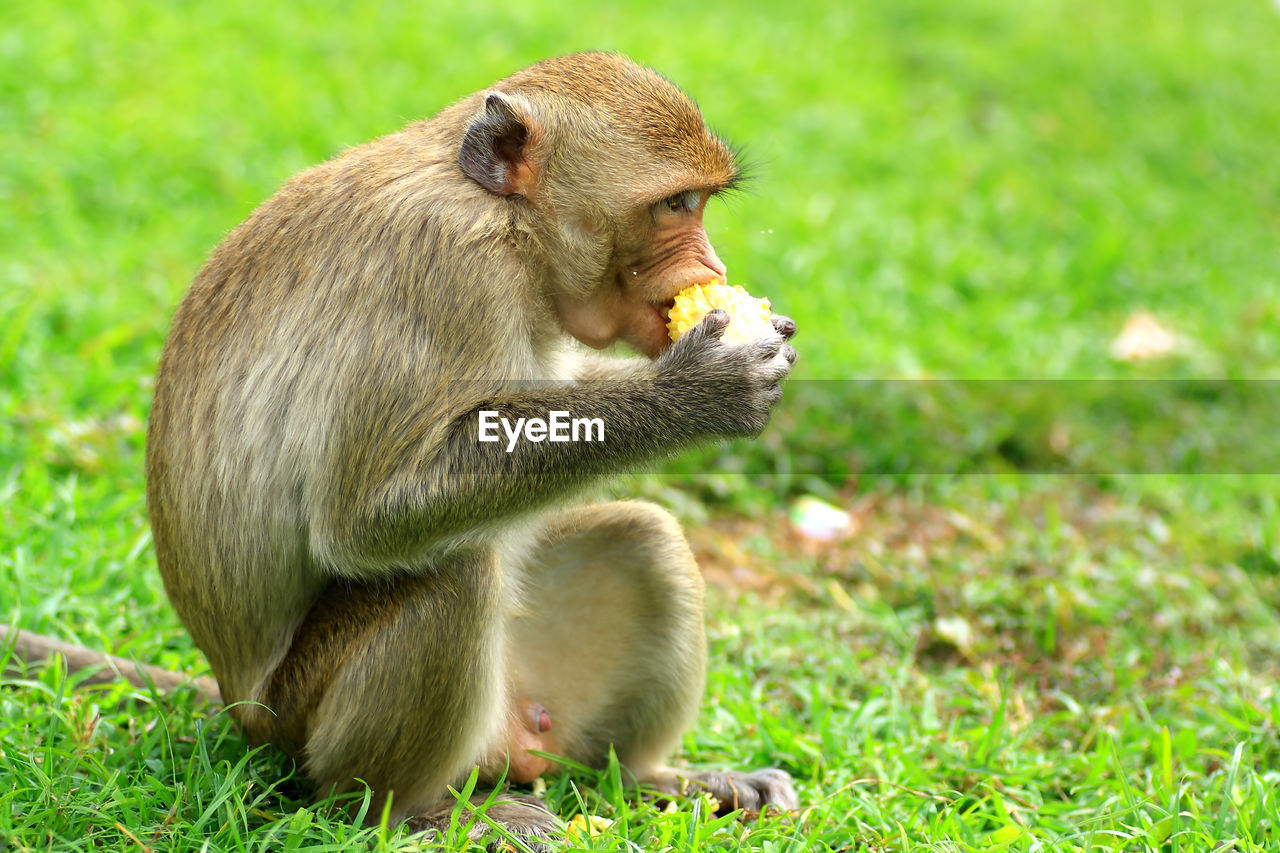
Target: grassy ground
[975, 190]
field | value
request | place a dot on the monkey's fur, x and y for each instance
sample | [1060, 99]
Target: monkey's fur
[380, 592]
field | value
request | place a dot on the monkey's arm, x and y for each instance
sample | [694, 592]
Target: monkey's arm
[594, 366]
[698, 390]
[30, 648]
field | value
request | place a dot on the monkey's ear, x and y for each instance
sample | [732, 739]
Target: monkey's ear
[496, 148]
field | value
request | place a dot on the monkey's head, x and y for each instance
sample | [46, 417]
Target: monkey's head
[608, 166]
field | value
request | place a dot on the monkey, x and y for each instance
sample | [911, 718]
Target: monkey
[378, 592]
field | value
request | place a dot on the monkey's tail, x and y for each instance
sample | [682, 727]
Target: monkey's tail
[108, 669]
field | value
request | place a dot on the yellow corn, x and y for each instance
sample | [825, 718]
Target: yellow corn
[587, 826]
[749, 317]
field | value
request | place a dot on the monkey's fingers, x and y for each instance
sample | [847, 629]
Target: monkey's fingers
[785, 326]
[713, 325]
[776, 360]
[769, 346]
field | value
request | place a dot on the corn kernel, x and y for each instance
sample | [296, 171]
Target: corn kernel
[749, 317]
[587, 826]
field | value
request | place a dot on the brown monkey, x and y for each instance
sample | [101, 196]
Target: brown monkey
[381, 593]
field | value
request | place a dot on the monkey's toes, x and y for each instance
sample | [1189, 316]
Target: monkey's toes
[752, 792]
[520, 816]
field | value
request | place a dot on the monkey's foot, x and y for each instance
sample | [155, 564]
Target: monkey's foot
[732, 789]
[522, 817]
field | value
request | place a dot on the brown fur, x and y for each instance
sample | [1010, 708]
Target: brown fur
[619, 98]
[377, 591]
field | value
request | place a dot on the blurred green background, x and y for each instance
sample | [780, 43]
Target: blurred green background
[975, 190]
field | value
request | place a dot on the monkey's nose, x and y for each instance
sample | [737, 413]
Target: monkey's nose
[712, 262]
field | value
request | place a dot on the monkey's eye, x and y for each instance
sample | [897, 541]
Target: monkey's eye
[685, 202]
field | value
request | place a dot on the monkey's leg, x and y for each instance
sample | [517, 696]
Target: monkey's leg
[610, 639]
[398, 683]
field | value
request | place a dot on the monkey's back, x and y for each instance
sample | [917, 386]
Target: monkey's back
[316, 329]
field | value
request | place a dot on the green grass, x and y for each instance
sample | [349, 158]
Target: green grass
[973, 190]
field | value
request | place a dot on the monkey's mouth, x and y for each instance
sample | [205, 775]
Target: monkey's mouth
[664, 309]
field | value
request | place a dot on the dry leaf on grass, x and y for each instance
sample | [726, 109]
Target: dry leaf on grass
[1142, 338]
[818, 521]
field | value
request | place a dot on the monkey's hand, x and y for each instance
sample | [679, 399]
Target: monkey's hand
[721, 389]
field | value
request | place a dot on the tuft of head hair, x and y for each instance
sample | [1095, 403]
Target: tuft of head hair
[638, 103]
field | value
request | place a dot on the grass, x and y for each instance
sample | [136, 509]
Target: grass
[996, 660]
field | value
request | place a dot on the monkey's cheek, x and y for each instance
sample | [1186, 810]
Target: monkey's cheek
[595, 321]
[646, 330]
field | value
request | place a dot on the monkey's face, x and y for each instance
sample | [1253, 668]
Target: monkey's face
[613, 184]
[662, 248]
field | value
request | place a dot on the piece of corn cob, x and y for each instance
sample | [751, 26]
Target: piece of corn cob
[749, 317]
[587, 826]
